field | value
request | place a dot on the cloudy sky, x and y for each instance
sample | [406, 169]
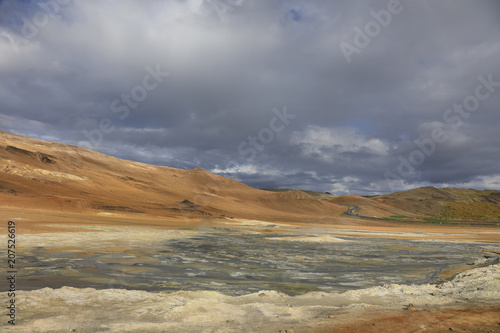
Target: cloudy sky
[348, 96]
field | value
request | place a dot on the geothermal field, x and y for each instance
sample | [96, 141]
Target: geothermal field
[234, 166]
[117, 246]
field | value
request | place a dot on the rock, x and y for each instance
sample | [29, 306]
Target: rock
[410, 307]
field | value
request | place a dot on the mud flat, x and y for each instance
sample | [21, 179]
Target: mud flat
[254, 276]
[235, 261]
[472, 294]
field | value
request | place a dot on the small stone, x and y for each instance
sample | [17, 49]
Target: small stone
[410, 307]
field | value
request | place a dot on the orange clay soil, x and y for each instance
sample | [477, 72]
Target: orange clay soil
[43, 221]
[472, 320]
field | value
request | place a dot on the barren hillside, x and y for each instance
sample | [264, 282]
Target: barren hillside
[53, 176]
[35, 174]
[370, 207]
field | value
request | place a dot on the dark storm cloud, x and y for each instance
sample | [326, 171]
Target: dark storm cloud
[83, 72]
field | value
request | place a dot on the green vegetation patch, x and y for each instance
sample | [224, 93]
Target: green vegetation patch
[434, 220]
[471, 210]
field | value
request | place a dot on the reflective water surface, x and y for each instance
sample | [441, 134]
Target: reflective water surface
[235, 263]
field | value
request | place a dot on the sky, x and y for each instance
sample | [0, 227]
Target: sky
[361, 97]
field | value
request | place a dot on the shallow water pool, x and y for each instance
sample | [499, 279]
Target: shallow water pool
[236, 263]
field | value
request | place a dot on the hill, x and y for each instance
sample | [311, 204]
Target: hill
[428, 204]
[317, 195]
[35, 174]
[370, 207]
[447, 203]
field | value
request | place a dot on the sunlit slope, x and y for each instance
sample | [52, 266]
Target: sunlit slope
[370, 207]
[41, 175]
[447, 203]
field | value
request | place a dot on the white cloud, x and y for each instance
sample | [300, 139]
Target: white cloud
[351, 179]
[327, 142]
[491, 182]
[338, 189]
[246, 169]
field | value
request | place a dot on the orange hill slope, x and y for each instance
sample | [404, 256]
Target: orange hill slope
[369, 207]
[35, 174]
